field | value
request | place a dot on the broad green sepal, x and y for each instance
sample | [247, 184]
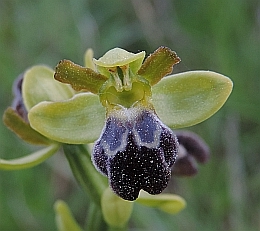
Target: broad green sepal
[169, 203]
[30, 160]
[158, 64]
[78, 120]
[189, 98]
[22, 129]
[39, 85]
[80, 78]
[116, 211]
[64, 218]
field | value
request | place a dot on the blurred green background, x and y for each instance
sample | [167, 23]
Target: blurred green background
[223, 36]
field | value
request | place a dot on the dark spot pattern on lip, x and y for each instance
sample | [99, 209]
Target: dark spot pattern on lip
[138, 166]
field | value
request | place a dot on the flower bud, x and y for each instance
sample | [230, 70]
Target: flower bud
[18, 104]
[116, 211]
[192, 150]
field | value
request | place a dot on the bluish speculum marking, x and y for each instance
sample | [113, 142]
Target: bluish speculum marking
[114, 134]
[147, 130]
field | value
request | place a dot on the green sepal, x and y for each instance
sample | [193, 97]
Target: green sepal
[78, 120]
[116, 211]
[23, 129]
[158, 64]
[80, 78]
[189, 98]
[64, 218]
[29, 160]
[39, 85]
[169, 203]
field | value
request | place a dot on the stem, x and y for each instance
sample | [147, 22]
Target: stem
[117, 228]
[92, 182]
[95, 219]
[84, 171]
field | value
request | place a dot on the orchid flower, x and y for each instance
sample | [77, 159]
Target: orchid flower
[126, 104]
[136, 148]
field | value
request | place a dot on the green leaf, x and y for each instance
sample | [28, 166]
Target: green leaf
[30, 160]
[116, 211]
[80, 78]
[39, 85]
[75, 121]
[189, 98]
[158, 65]
[64, 218]
[169, 203]
[22, 129]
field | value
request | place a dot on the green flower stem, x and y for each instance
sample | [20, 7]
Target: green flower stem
[95, 219]
[84, 171]
[92, 182]
[117, 228]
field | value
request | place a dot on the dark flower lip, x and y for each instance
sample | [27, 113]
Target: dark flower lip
[136, 153]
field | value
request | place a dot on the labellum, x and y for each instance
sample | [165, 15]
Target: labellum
[135, 151]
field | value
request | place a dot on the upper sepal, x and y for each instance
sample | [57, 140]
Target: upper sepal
[189, 98]
[119, 57]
